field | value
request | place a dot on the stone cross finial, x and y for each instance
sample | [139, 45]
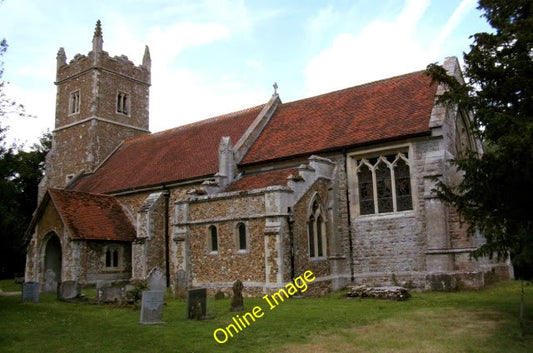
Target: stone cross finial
[275, 85]
[98, 40]
[98, 29]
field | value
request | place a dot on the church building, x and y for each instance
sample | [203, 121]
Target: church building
[340, 184]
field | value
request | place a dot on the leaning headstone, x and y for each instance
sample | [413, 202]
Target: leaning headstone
[196, 303]
[69, 290]
[152, 307]
[156, 280]
[30, 292]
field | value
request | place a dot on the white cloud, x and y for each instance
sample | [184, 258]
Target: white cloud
[381, 49]
[39, 104]
[166, 43]
[460, 12]
[255, 64]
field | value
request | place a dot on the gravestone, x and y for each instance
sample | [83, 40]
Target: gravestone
[180, 289]
[237, 303]
[50, 282]
[196, 303]
[30, 292]
[69, 290]
[156, 280]
[152, 307]
[111, 294]
[219, 295]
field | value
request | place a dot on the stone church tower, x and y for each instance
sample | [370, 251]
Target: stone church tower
[100, 102]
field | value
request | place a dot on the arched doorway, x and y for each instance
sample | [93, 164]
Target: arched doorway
[52, 264]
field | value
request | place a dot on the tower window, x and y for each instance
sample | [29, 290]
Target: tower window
[123, 103]
[74, 103]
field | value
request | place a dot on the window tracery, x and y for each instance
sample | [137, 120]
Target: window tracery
[384, 184]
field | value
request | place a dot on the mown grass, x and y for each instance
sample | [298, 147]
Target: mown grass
[483, 321]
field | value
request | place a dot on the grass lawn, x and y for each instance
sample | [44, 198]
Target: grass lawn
[483, 321]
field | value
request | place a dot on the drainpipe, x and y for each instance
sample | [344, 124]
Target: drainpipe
[166, 194]
[290, 221]
[349, 215]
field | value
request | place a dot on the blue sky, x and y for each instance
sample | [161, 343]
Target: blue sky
[213, 57]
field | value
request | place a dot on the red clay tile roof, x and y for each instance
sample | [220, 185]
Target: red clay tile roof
[178, 154]
[91, 216]
[394, 108]
[259, 181]
[383, 110]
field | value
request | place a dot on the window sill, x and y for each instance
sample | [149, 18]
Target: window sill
[401, 214]
[318, 258]
[213, 252]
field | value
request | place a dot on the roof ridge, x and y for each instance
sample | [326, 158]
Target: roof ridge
[372, 83]
[81, 192]
[193, 124]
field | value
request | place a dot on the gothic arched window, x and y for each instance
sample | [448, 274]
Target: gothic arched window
[213, 238]
[242, 238]
[384, 184]
[316, 230]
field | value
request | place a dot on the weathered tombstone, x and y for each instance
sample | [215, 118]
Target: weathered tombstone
[50, 282]
[30, 292]
[69, 290]
[156, 280]
[219, 295]
[152, 307]
[196, 303]
[180, 290]
[111, 294]
[237, 303]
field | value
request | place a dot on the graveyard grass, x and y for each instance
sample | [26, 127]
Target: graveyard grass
[467, 321]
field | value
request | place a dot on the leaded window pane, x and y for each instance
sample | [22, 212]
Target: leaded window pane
[115, 258]
[319, 223]
[384, 188]
[403, 186]
[242, 236]
[311, 226]
[366, 193]
[214, 239]
[108, 258]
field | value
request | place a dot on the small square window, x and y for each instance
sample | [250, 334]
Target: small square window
[112, 258]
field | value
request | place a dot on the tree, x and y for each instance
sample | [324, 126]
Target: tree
[496, 194]
[20, 174]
